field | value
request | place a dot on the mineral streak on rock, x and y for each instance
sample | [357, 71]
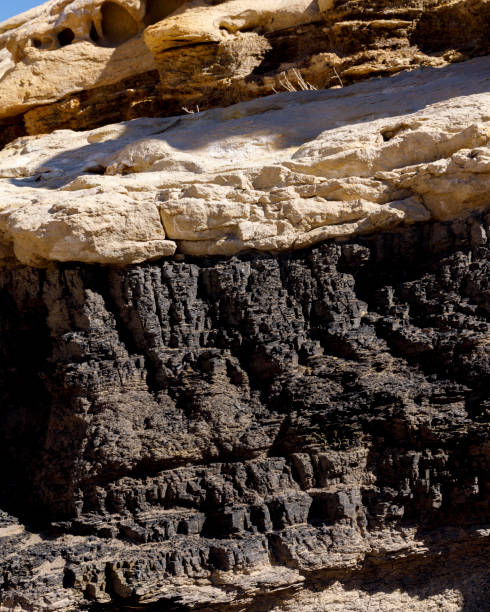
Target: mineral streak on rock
[81, 63]
[276, 174]
[306, 431]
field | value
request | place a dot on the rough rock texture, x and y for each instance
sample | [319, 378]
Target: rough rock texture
[240, 50]
[70, 63]
[279, 173]
[62, 47]
[244, 353]
[307, 431]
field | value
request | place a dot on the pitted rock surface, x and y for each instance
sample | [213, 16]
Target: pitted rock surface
[301, 431]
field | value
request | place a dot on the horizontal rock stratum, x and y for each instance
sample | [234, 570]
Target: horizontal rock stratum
[81, 64]
[279, 173]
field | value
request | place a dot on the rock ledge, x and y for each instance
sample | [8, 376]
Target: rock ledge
[279, 173]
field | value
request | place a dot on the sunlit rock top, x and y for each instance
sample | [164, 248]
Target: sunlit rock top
[61, 47]
[279, 173]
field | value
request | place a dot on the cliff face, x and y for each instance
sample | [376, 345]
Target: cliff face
[263, 431]
[244, 353]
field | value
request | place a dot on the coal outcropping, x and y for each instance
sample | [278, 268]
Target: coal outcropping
[239, 433]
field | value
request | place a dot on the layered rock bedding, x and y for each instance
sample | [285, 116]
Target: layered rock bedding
[258, 431]
[80, 64]
[282, 172]
[244, 343]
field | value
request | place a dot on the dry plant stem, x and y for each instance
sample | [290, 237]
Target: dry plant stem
[302, 85]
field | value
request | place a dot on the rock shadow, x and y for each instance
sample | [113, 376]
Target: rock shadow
[288, 120]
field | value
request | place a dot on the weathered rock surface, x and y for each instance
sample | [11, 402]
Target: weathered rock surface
[275, 174]
[244, 353]
[80, 64]
[305, 431]
[61, 47]
[239, 50]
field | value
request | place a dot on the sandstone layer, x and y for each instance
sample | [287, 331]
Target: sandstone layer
[306, 431]
[278, 173]
[80, 64]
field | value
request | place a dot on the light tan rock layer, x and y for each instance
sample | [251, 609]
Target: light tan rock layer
[80, 64]
[278, 173]
[62, 47]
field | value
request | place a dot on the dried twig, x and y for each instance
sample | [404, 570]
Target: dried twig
[338, 76]
[189, 111]
[301, 84]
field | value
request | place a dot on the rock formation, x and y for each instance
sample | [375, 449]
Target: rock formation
[80, 64]
[266, 432]
[244, 352]
[282, 172]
